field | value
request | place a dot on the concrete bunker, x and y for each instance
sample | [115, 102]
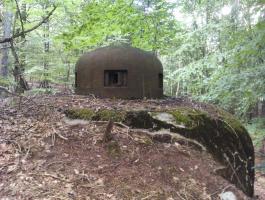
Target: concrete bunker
[119, 71]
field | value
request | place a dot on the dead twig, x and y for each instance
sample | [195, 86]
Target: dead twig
[223, 189]
[54, 163]
[107, 135]
[60, 136]
[50, 175]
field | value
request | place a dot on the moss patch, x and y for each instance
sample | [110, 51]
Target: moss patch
[230, 120]
[76, 113]
[188, 117]
[105, 115]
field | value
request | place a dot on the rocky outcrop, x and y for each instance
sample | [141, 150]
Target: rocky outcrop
[222, 135]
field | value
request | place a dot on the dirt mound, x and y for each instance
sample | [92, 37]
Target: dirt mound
[44, 157]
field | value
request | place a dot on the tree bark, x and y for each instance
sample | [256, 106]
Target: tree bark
[18, 70]
[17, 73]
[7, 28]
[23, 19]
[46, 36]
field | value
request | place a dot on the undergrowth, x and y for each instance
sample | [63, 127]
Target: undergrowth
[256, 128]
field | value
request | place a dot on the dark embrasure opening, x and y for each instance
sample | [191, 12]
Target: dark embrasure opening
[115, 78]
[160, 80]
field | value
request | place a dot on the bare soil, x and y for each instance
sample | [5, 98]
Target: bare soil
[42, 156]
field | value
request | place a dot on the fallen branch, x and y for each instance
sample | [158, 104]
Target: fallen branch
[29, 30]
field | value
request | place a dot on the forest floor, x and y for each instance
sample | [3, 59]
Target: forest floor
[45, 156]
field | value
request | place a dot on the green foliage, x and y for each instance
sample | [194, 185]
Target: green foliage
[220, 60]
[4, 82]
[104, 22]
[256, 128]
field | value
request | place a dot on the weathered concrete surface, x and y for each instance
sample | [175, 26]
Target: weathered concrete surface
[143, 73]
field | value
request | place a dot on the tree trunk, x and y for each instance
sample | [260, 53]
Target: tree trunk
[22, 84]
[23, 38]
[18, 70]
[46, 26]
[7, 27]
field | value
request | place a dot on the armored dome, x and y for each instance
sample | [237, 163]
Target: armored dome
[121, 72]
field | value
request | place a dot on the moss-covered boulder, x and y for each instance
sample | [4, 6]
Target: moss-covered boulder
[223, 136]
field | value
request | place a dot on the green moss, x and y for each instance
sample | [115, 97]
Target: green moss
[231, 121]
[105, 115]
[185, 116]
[77, 113]
[193, 118]
[189, 117]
